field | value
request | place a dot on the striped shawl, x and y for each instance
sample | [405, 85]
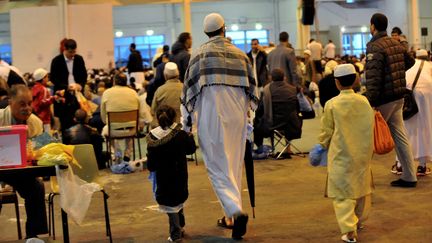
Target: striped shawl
[217, 62]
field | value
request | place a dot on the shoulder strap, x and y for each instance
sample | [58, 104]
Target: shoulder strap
[418, 75]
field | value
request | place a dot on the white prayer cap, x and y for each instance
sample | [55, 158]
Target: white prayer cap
[171, 70]
[343, 70]
[39, 74]
[307, 52]
[421, 53]
[213, 22]
[330, 67]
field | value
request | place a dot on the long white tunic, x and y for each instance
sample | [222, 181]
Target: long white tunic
[419, 127]
[221, 122]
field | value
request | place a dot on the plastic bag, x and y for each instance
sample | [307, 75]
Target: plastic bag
[55, 154]
[75, 194]
[318, 156]
[122, 168]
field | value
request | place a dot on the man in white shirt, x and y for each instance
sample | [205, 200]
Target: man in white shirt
[316, 54]
[330, 50]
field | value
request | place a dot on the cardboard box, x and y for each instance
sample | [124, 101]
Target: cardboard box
[13, 152]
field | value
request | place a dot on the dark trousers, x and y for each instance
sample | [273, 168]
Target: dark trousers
[176, 222]
[33, 192]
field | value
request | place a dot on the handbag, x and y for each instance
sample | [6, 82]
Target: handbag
[383, 141]
[306, 109]
[410, 107]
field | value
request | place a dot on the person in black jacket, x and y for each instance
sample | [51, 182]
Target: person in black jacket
[278, 110]
[180, 53]
[258, 59]
[167, 147]
[82, 133]
[68, 68]
[386, 63]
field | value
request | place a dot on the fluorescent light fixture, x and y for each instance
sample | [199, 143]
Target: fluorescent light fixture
[234, 27]
[258, 26]
[364, 29]
[343, 29]
[118, 33]
[149, 32]
[350, 1]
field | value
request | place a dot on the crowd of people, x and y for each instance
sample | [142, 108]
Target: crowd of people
[221, 91]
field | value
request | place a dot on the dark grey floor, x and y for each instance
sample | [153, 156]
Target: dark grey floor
[290, 207]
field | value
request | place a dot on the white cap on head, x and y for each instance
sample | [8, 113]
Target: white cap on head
[307, 52]
[213, 22]
[171, 70]
[421, 53]
[39, 74]
[343, 70]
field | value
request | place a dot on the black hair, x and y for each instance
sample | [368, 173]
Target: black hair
[70, 44]
[311, 40]
[215, 33]
[283, 36]
[347, 80]
[165, 116]
[80, 116]
[183, 37]
[120, 79]
[255, 39]
[330, 41]
[165, 48]
[277, 74]
[396, 30]
[380, 21]
[133, 46]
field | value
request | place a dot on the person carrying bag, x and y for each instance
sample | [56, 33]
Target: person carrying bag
[410, 107]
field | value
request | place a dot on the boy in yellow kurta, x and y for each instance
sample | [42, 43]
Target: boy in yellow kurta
[347, 133]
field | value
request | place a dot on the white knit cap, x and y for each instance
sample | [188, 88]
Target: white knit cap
[421, 53]
[171, 70]
[343, 70]
[307, 52]
[39, 74]
[213, 22]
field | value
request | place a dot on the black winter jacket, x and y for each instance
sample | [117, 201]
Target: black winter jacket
[167, 157]
[180, 56]
[386, 63]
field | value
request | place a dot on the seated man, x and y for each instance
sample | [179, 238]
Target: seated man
[31, 189]
[119, 98]
[82, 133]
[278, 110]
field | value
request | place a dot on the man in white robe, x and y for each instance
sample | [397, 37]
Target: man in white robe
[220, 87]
[419, 127]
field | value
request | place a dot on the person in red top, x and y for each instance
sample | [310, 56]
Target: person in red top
[42, 98]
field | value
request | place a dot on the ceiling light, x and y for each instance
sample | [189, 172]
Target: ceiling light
[234, 27]
[364, 29]
[258, 26]
[118, 33]
[343, 29]
[149, 32]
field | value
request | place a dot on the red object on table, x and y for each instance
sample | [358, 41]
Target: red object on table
[13, 152]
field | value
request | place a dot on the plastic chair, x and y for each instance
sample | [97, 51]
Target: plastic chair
[127, 119]
[89, 172]
[9, 197]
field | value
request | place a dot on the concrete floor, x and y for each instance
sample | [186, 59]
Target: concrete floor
[290, 207]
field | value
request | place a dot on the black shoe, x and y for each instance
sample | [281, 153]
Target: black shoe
[126, 158]
[422, 171]
[239, 229]
[402, 183]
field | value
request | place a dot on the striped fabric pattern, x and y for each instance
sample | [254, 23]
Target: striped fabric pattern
[217, 62]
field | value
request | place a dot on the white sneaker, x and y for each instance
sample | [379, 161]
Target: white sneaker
[345, 239]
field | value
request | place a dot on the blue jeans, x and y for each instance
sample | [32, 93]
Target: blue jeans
[392, 113]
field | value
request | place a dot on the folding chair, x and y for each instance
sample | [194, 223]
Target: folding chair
[9, 197]
[89, 172]
[280, 138]
[128, 120]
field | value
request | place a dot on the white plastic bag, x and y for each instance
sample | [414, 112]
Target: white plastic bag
[75, 194]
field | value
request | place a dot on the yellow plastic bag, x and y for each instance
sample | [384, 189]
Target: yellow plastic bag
[55, 154]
